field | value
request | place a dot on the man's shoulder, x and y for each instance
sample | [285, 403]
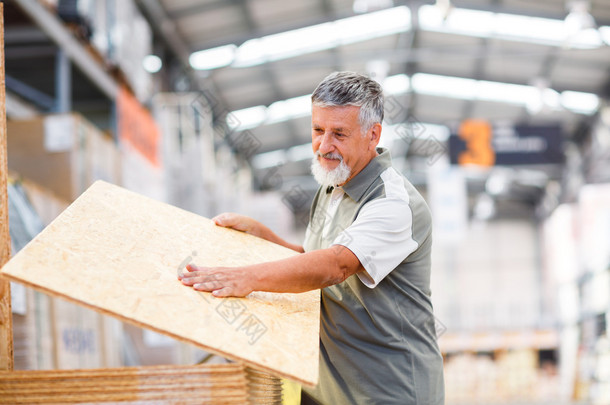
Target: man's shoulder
[392, 184]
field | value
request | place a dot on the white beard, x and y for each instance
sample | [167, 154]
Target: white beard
[338, 175]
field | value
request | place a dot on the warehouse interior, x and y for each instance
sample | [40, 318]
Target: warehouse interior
[205, 105]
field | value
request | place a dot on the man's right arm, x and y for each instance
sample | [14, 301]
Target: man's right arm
[253, 227]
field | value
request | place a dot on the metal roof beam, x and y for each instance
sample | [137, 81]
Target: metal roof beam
[166, 28]
[203, 8]
[268, 72]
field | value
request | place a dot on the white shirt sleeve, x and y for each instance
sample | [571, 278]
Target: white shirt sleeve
[381, 237]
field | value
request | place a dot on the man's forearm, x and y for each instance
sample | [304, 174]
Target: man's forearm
[305, 272]
[253, 227]
[271, 236]
[309, 271]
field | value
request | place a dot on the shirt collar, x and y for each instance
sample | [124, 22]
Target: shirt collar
[357, 186]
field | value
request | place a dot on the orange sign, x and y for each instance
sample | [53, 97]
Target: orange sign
[137, 127]
[479, 151]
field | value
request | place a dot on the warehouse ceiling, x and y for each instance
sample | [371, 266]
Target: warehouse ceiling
[430, 55]
[419, 48]
[440, 62]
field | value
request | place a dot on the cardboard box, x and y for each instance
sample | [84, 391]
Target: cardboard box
[32, 334]
[46, 204]
[63, 153]
[77, 336]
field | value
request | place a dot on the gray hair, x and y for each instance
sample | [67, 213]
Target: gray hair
[349, 88]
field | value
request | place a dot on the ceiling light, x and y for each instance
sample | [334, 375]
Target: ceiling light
[469, 89]
[322, 36]
[580, 25]
[284, 45]
[546, 99]
[152, 63]
[300, 152]
[583, 103]
[291, 108]
[247, 118]
[444, 86]
[579, 18]
[366, 6]
[505, 92]
[512, 27]
[284, 110]
[397, 84]
[444, 8]
[373, 25]
[213, 58]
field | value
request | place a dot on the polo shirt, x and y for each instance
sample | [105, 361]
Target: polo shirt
[377, 335]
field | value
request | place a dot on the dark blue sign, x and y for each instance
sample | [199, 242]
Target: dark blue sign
[519, 145]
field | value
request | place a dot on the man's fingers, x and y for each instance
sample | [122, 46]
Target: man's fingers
[226, 219]
[199, 277]
[217, 280]
[191, 267]
[223, 292]
[234, 221]
[206, 286]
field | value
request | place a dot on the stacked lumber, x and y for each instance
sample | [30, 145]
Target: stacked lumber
[210, 384]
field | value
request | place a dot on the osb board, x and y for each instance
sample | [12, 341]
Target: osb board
[119, 253]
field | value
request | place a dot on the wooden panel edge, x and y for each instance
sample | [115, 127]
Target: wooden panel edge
[6, 315]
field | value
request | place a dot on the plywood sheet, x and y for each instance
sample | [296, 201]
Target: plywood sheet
[119, 253]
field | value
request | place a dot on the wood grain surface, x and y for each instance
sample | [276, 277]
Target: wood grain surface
[6, 328]
[119, 253]
[210, 384]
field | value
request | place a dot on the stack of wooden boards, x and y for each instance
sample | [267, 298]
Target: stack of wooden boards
[225, 384]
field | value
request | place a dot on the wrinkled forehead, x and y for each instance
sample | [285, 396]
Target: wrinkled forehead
[335, 116]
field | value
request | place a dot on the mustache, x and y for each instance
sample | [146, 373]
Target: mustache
[330, 155]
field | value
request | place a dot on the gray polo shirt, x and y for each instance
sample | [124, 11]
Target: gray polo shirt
[377, 337]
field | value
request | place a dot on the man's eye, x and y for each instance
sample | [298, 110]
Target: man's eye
[339, 135]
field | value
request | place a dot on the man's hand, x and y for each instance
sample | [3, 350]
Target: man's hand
[239, 223]
[253, 227]
[220, 281]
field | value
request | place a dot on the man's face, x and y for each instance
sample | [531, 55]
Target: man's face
[336, 134]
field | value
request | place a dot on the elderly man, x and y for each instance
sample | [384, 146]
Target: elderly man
[367, 246]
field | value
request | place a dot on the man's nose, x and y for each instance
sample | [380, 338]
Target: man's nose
[326, 145]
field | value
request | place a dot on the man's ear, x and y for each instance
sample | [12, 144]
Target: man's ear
[374, 136]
